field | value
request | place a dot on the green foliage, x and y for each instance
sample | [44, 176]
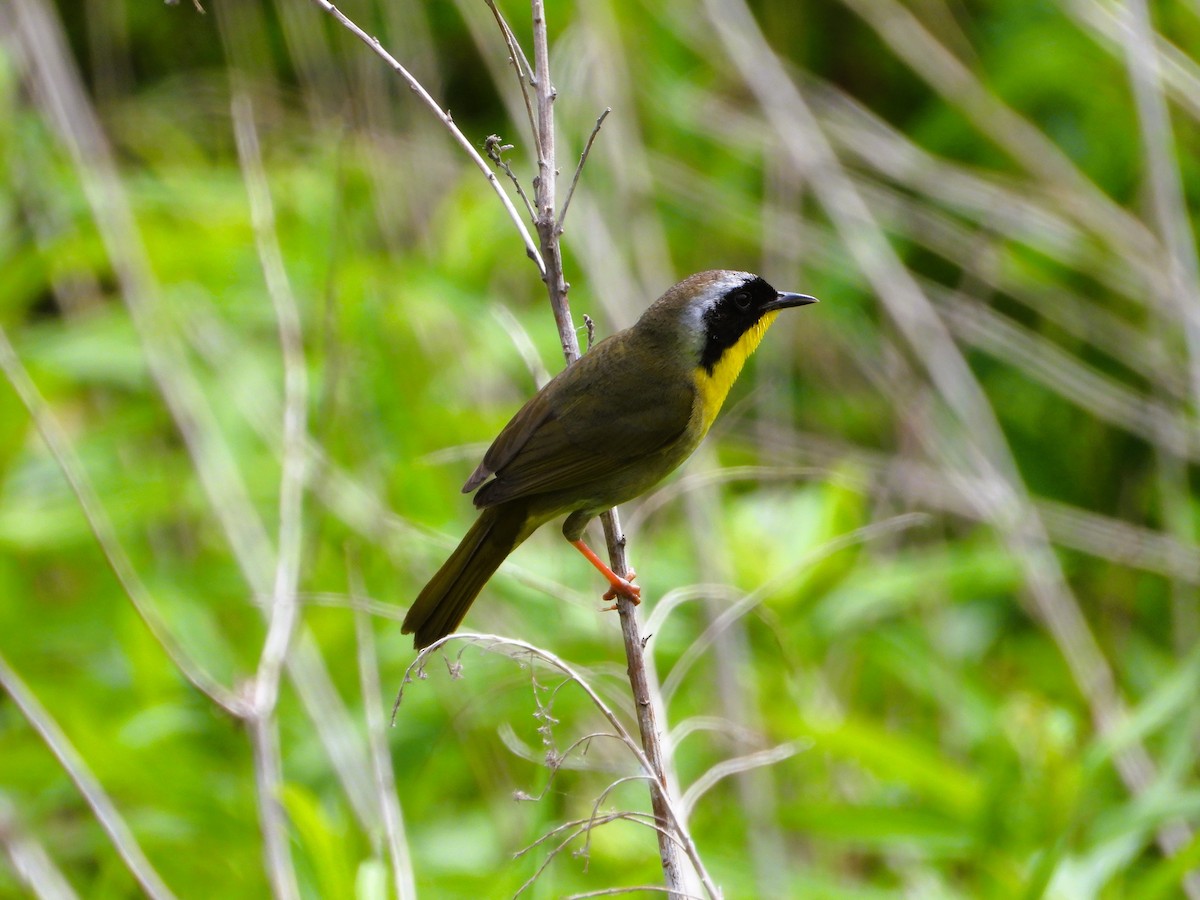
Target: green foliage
[889, 631]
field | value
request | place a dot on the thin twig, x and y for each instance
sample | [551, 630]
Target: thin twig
[637, 818]
[519, 62]
[668, 821]
[587, 149]
[445, 118]
[495, 148]
[268, 785]
[93, 792]
[585, 826]
[545, 187]
[613, 892]
[554, 759]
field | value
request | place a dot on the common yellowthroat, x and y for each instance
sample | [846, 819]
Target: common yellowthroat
[603, 431]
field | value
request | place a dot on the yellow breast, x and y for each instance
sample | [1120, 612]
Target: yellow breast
[713, 389]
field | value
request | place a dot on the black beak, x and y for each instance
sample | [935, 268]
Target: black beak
[785, 300]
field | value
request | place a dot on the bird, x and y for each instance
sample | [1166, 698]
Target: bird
[603, 431]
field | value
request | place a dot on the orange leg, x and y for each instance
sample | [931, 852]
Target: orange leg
[620, 587]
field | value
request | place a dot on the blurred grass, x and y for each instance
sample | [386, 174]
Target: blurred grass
[946, 748]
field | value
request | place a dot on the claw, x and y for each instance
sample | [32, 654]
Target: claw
[624, 587]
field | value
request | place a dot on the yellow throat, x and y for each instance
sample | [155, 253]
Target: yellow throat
[714, 388]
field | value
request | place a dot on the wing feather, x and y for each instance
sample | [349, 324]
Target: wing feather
[571, 434]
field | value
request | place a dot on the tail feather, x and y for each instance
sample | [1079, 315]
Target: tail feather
[442, 603]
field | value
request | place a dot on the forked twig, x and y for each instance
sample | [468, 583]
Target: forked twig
[446, 119]
[638, 818]
[671, 827]
[556, 285]
[612, 892]
[580, 827]
[495, 148]
[550, 266]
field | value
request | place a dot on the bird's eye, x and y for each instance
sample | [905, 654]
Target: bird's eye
[741, 300]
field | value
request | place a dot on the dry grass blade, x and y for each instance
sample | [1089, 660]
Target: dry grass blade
[516, 56]
[980, 447]
[61, 96]
[927, 57]
[671, 827]
[1170, 204]
[102, 529]
[32, 864]
[748, 602]
[726, 768]
[93, 792]
[1064, 374]
[587, 149]
[1180, 73]
[66, 106]
[283, 613]
[920, 483]
[381, 760]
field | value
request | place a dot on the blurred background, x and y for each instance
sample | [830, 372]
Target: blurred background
[933, 579]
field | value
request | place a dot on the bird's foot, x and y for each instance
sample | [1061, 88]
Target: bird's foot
[622, 587]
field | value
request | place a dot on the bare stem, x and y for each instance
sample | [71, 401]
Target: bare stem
[545, 187]
[550, 265]
[268, 779]
[548, 227]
